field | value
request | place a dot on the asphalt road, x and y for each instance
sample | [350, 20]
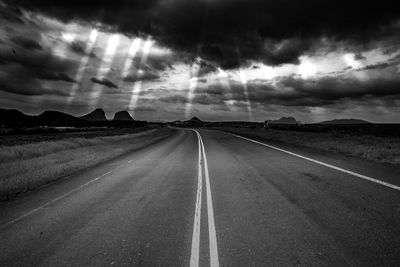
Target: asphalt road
[208, 198]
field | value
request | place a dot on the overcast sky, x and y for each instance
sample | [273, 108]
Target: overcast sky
[214, 59]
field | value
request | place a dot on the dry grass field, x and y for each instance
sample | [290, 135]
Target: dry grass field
[28, 166]
[370, 147]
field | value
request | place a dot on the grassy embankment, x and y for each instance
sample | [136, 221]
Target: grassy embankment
[29, 166]
[370, 147]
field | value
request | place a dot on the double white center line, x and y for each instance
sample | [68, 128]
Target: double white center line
[194, 257]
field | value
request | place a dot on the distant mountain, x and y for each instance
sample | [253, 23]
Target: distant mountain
[284, 120]
[122, 116]
[56, 118]
[345, 121]
[195, 119]
[13, 117]
[55, 115]
[96, 115]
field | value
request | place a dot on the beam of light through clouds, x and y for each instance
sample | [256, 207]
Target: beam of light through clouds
[223, 79]
[137, 86]
[70, 57]
[61, 50]
[104, 68]
[82, 65]
[243, 79]
[134, 48]
[194, 73]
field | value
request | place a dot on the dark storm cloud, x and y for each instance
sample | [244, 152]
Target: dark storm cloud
[205, 99]
[144, 109]
[221, 108]
[334, 89]
[377, 66]
[174, 99]
[359, 56]
[286, 51]
[30, 89]
[142, 76]
[37, 60]
[199, 98]
[104, 81]
[160, 62]
[24, 84]
[153, 68]
[55, 76]
[231, 32]
[23, 70]
[202, 80]
[203, 67]
[26, 43]
[11, 13]
[295, 91]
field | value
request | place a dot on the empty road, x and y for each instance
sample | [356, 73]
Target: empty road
[207, 198]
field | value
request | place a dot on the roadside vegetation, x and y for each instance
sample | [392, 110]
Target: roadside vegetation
[366, 146]
[30, 165]
[11, 137]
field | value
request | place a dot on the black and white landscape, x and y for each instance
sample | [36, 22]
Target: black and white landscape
[199, 133]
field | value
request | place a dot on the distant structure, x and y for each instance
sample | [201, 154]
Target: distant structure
[284, 122]
[266, 125]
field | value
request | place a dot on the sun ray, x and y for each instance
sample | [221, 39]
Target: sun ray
[135, 46]
[137, 86]
[194, 73]
[243, 79]
[61, 50]
[223, 79]
[82, 65]
[104, 68]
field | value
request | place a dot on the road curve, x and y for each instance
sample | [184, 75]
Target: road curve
[207, 198]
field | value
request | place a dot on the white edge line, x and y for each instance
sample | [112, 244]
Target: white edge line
[214, 262]
[321, 163]
[61, 197]
[54, 200]
[194, 256]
